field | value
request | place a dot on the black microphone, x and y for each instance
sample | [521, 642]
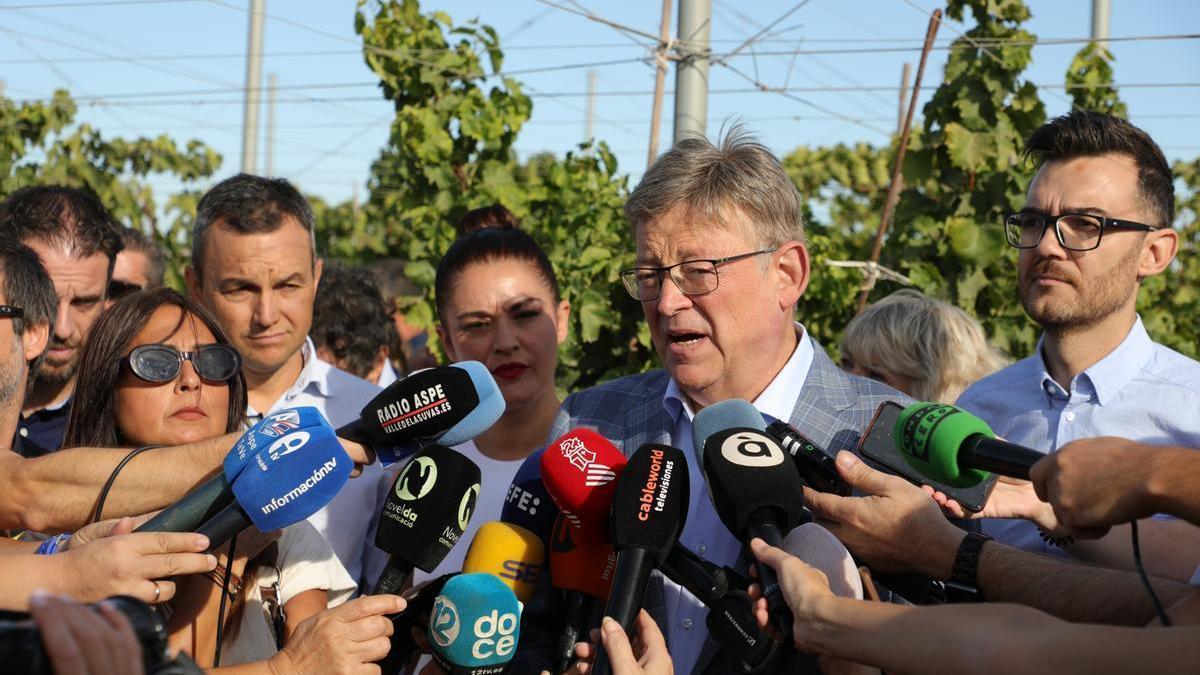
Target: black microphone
[425, 514]
[755, 489]
[649, 507]
[817, 468]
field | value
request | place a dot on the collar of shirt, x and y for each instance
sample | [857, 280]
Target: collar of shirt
[313, 379]
[387, 375]
[1107, 376]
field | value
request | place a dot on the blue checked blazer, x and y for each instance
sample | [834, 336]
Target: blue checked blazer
[833, 409]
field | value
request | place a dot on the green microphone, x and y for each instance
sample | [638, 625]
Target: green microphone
[950, 445]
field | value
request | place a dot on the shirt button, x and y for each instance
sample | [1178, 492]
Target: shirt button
[687, 624]
[24, 432]
[701, 549]
[1070, 417]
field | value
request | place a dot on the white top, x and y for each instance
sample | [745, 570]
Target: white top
[387, 375]
[703, 532]
[347, 520]
[306, 562]
[497, 476]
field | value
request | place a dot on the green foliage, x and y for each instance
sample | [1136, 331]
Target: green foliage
[1089, 81]
[41, 144]
[1170, 302]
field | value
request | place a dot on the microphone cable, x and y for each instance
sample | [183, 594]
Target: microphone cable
[112, 477]
[224, 598]
[1137, 562]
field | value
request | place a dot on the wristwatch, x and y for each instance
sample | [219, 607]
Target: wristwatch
[966, 561]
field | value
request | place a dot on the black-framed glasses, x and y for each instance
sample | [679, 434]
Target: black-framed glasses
[11, 312]
[1074, 231]
[161, 363]
[692, 277]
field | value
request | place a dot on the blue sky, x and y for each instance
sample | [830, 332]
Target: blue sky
[147, 67]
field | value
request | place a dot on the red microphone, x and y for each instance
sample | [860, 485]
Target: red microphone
[580, 473]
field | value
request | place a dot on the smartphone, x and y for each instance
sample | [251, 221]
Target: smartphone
[879, 448]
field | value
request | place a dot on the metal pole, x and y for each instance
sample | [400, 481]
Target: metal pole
[1100, 15]
[253, 87]
[271, 82]
[591, 107]
[903, 96]
[660, 77]
[893, 195]
[691, 70]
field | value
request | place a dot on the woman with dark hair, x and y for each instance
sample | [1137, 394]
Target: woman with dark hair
[498, 303]
[157, 370]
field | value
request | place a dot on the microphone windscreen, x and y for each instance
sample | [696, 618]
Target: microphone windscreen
[929, 436]
[293, 477]
[527, 503]
[428, 507]
[475, 624]
[733, 413]
[747, 470]
[819, 548]
[579, 562]
[579, 471]
[266, 433]
[650, 504]
[485, 414]
[510, 552]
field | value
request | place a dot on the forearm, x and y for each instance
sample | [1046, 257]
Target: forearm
[20, 575]
[58, 492]
[1069, 590]
[1175, 484]
[1170, 548]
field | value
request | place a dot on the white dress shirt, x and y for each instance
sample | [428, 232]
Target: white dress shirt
[703, 532]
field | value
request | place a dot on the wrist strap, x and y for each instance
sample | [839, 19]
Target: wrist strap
[966, 561]
[51, 545]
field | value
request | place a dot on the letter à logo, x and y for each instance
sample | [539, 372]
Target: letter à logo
[280, 423]
[753, 449]
[467, 506]
[443, 621]
[417, 479]
[287, 445]
[494, 635]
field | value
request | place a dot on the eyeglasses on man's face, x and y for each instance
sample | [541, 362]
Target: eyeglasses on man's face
[11, 312]
[691, 277]
[1074, 231]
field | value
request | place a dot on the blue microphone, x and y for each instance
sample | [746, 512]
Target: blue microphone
[285, 482]
[215, 494]
[475, 625]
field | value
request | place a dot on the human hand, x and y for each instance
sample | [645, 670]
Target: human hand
[105, 528]
[897, 527]
[1095, 483]
[646, 655]
[80, 639]
[804, 589]
[359, 453]
[138, 564]
[1010, 498]
[340, 640]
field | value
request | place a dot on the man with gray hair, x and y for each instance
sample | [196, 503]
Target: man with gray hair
[721, 263]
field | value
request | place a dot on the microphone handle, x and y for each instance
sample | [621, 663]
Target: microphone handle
[354, 430]
[701, 578]
[579, 607]
[224, 526]
[768, 580]
[997, 456]
[395, 573]
[634, 566]
[194, 508]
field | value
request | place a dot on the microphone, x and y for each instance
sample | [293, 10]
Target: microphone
[286, 482]
[755, 490]
[582, 567]
[580, 471]
[952, 446]
[448, 404]
[527, 503]
[819, 548]
[512, 553]
[419, 601]
[475, 625]
[817, 468]
[213, 495]
[649, 507]
[425, 513]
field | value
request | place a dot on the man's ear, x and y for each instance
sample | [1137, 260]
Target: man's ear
[1158, 250]
[34, 340]
[793, 273]
[317, 267]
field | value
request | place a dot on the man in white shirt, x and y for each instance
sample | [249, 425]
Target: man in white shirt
[254, 266]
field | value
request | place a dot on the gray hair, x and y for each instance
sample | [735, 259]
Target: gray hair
[707, 180]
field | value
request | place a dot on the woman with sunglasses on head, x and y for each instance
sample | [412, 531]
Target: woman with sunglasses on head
[157, 370]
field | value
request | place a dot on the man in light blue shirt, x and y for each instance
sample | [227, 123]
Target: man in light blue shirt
[1097, 220]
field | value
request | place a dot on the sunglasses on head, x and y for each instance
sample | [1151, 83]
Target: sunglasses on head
[161, 363]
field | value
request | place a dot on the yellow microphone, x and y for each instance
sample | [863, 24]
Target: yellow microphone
[510, 552]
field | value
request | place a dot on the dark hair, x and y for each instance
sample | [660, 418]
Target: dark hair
[350, 318]
[486, 245]
[135, 240]
[489, 216]
[27, 285]
[1085, 133]
[392, 281]
[93, 421]
[59, 214]
[249, 205]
